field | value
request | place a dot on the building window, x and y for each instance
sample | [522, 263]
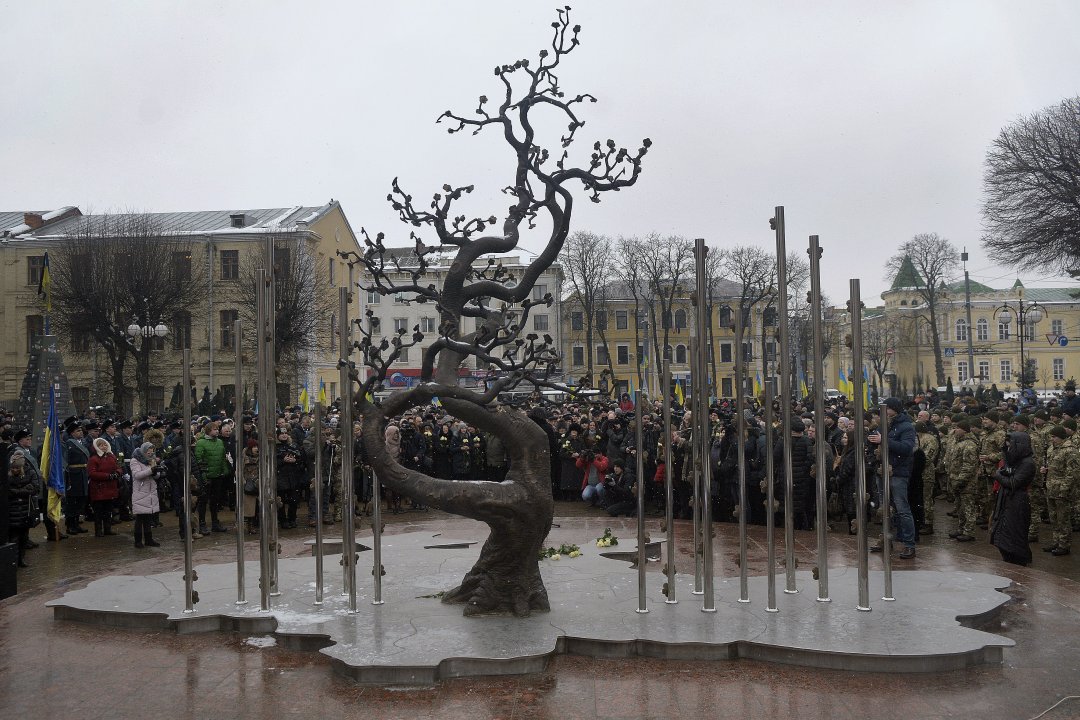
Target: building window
[227, 318]
[230, 264]
[665, 319]
[748, 351]
[726, 386]
[768, 317]
[680, 319]
[80, 398]
[641, 354]
[601, 320]
[622, 320]
[181, 330]
[538, 292]
[577, 356]
[403, 356]
[602, 355]
[181, 263]
[961, 330]
[332, 268]
[157, 399]
[540, 323]
[622, 354]
[80, 341]
[984, 369]
[982, 330]
[724, 317]
[1029, 330]
[401, 325]
[770, 351]
[1057, 327]
[427, 324]
[577, 320]
[1003, 331]
[333, 329]
[373, 297]
[400, 298]
[1059, 368]
[680, 354]
[35, 328]
[725, 352]
[962, 370]
[282, 260]
[34, 264]
[1006, 371]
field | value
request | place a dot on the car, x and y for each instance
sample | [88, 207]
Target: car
[833, 394]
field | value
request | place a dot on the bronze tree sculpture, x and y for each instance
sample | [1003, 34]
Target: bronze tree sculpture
[506, 577]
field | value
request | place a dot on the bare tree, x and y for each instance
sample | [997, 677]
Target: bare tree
[934, 259]
[665, 265]
[114, 270]
[629, 275]
[1031, 210]
[587, 259]
[506, 577]
[304, 303]
[880, 338]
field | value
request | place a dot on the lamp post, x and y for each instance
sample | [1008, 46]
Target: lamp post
[1025, 313]
[147, 332]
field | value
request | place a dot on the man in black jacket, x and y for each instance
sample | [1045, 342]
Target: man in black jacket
[802, 461]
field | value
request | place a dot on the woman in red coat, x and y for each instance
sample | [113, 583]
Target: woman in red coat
[104, 486]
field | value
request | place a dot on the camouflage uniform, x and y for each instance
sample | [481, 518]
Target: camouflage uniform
[931, 449]
[991, 444]
[1040, 441]
[948, 443]
[1061, 468]
[964, 474]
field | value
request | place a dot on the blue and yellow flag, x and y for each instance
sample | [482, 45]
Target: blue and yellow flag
[45, 283]
[757, 385]
[322, 392]
[802, 385]
[305, 401]
[843, 383]
[52, 459]
[866, 389]
[679, 396]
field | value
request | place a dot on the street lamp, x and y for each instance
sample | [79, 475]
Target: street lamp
[1025, 313]
[147, 332]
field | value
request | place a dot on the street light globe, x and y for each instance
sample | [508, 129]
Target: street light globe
[161, 331]
[132, 329]
[1004, 316]
[1035, 314]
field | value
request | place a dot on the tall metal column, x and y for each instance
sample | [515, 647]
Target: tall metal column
[701, 404]
[376, 531]
[818, 363]
[348, 540]
[740, 428]
[785, 398]
[238, 462]
[695, 467]
[189, 577]
[266, 493]
[770, 492]
[270, 399]
[855, 310]
[669, 492]
[886, 504]
[319, 580]
[639, 444]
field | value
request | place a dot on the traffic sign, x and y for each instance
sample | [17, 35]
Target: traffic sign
[1052, 338]
[950, 352]
[1063, 341]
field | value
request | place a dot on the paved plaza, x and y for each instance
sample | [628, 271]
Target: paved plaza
[71, 669]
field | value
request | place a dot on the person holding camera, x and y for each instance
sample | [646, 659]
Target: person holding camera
[145, 470]
[594, 467]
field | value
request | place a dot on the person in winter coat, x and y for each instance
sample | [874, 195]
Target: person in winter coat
[250, 460]
[291, 479]
[902, 444]
[22, 510]
[1009, 533]
[214, 469]
[144, 494]
[104, 473]
[392, 440]
[593, 468]
[803, 495]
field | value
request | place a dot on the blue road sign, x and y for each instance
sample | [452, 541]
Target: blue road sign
[1063, 341]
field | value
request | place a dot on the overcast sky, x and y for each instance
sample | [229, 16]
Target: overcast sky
[868, 121]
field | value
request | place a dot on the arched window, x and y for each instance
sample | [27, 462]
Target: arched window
[961, 330]
[903, 302]
[982, 330]
[680, 354]
[680, 319]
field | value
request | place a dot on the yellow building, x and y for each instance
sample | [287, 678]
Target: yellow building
[221, 241]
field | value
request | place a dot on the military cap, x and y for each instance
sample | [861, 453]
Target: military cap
[963, 423]
[21, 433]
[1056, 412]
[1024, 420]
[991, 415]
[125, 424]
[1041, 415]
[1069, 424]
[143, 426]
[107, 423]
[922, 426]
[1059, 431]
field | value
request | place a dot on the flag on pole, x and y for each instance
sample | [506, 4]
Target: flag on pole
[802, 385]
[52, 459]
[843, 383]
[305, 401]
[866, 389]
[757, 385]
[679, 396]
[45, 283]
[322, 392]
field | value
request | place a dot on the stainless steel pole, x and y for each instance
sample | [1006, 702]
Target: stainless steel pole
[376, 531]
[860, 444]
[785, 399]
[818, 363]
[695, 470]
[886, 505]
[701, 403]
[348, 539]
[238, 462]
[189, 569]
[770, 492]
[740, 428]
[266, 494]
[669, 486]
[271, 399]
[319, 584]
[639, 466]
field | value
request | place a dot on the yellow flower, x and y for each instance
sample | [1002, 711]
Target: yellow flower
[575, 553]
[556, 556]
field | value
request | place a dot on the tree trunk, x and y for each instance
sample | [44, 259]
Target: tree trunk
[117, 363]
[939, 363]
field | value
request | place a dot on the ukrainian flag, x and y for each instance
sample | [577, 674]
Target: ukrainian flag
[802, 385]
[305, 401]
[679, 396]
[843, 383]
[757, 385]
[52, 459]
[45, 283]
[322, 392]
[866, 389]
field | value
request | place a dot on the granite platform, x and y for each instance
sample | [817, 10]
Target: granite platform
[414, 639]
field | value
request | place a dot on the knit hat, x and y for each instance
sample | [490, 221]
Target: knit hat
[894, 404]
[1022, 420]
[1069, 424]
[1042, 415]
[963, 423]
[1059, 432]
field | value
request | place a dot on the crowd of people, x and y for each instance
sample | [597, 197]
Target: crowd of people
[1004, 468]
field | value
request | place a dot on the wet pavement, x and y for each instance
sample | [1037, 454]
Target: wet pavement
[49, 667]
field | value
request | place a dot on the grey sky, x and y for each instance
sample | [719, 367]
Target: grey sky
[869, 121]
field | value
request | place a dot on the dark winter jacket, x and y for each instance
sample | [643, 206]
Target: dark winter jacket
[902, 443]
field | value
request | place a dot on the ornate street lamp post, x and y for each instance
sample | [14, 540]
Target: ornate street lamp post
[147, 332]
[1025, 313]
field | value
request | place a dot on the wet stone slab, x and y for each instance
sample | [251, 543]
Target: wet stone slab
[413, 638]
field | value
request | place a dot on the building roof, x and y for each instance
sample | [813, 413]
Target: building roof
[976, 287]
[200, 222]
[907, 276]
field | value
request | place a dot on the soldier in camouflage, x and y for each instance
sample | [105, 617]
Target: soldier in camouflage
[991, 450]
[931, 449]
[964, 468]
[1060, 470]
